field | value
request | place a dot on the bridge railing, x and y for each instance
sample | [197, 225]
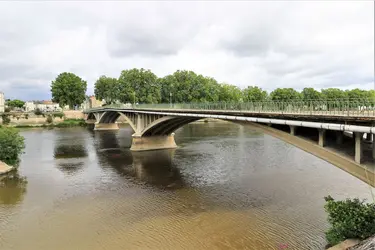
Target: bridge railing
[339, 107]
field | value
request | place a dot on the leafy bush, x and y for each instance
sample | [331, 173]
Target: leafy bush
[5, 118]
[26, 116]
[38, 112]
[11, 145]
[71, 123]
[49, 119]
[7, 110]
[349, 219]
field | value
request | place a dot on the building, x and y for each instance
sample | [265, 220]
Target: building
[91, 102]
[2, 102]
[44, 106]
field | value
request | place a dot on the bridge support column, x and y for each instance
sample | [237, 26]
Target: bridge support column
[293, 130]
[106, 126]
[322, 137]
[369, 137]
[373, 149]
[358, 147]
[144, 143]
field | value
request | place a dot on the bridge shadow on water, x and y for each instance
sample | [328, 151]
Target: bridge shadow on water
[153, 168]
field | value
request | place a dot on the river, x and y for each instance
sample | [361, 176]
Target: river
[225, 187]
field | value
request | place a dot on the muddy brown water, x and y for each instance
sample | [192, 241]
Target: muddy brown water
[225, 187]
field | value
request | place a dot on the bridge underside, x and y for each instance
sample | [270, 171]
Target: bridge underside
[154, 131]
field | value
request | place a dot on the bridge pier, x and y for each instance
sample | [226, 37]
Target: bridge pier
[144, 143]
[322, 137]
[106, 126]
[293, 130]
[358, 147]
[339, 137]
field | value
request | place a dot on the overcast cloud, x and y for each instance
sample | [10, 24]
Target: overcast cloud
[269, 44]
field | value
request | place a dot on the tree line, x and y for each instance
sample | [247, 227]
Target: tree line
[183, 86]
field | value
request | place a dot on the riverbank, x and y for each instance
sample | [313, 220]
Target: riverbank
[5, 168]
[352, 244]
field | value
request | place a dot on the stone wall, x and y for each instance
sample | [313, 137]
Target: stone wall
[20, 119]
[74, 114]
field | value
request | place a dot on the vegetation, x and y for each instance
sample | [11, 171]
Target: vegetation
[5, 118]
[107, 88]
[71, 123]
[37, 111]
[183, 86]
[11, 145]
[15, 103]
[49, 119]
[60, 114]
[349, 219]
[68, 89]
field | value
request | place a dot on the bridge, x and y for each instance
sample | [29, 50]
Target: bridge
[338, 131]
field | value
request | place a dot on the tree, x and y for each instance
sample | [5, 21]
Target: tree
[187, 86]
[230, 93]
[107, 88]
[15, 103]
[139, 86]
[68, 89]
[285, 94]
[254, 94]
[311, 94]
[11, 145]
[333, 93]
[358, 94]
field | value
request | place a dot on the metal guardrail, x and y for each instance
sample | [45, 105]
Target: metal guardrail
[339, 107]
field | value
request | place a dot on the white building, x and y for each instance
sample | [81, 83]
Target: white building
[2, 102]
[29, 106]
[46, 106]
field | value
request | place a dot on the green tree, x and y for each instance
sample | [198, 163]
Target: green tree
[11, 145]
[15, 103]
[187, 86]
[107, 88]
[358, 94]
[334, 93]
[68, 89]
[285, 94]
[230, 93]
[254, 94]
[311, 94]
[138, 85]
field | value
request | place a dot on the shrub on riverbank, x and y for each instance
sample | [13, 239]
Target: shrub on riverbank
[349, 219]
[11, 145]
[5, 118]
[71, 123]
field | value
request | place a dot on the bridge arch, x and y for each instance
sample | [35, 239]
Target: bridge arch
[112, 116]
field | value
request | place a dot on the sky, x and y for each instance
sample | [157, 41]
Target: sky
[269, 44]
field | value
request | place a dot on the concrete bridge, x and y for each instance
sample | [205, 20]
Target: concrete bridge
[340, 132]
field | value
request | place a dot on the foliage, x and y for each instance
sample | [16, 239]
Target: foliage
[334, 93]
[5, 118]
[187, 86]
[230, 93]
[107, 88]
[71, 123]
[26, 116]
[37, 111]
[311, 94]
[7, 110]
[285, 94]
[349, 219]
[139, 86]
[11, 145]
[358, 94]
[60, 114]
[68, 89]
[254, 94]
[15, 103]
[49, 119]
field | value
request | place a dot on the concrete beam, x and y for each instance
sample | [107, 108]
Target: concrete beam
[358, 147]
[293, 130]
[322, 137]
[145, 143]
[106, 126]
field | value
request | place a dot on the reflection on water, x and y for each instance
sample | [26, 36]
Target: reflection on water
[152, 167]
[225, 187]
[12, 188]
